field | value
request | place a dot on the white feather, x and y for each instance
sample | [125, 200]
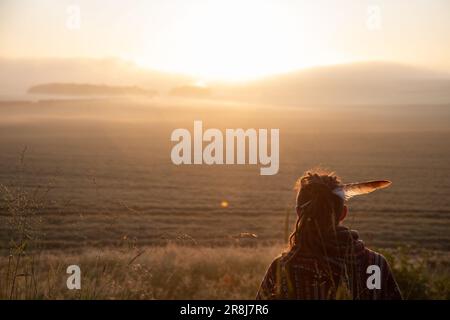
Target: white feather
[350, 190]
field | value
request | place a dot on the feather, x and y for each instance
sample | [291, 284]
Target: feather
[350, 190]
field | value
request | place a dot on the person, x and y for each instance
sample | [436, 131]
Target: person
[325, 259]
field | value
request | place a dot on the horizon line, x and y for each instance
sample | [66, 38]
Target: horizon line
[219, 79]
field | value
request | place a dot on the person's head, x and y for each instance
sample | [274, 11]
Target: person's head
[319, 210]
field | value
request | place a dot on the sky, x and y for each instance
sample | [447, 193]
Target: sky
[232, 40]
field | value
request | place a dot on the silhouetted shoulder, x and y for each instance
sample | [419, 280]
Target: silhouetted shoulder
[270, 286]
[377, 265]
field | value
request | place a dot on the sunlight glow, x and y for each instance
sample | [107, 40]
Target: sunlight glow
[232, 40]
[224, 204]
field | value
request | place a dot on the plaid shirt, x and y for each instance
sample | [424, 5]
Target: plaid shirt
[294, 275]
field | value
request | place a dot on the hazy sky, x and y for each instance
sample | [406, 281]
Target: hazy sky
[230, 39]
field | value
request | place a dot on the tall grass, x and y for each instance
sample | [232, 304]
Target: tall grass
[20, 212]
[190, 272]
[178, 270]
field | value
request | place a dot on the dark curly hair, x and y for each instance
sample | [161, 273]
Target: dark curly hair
[320, 210]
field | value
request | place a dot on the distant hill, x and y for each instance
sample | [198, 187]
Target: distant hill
[17, 75]
[191, 91]
[75, 89]
[357, 83]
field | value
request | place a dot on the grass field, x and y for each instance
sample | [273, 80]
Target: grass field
[91, 183]
[180, 272]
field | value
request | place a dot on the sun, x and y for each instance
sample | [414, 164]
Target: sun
[229, 40]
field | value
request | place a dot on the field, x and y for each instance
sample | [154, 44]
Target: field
[91, 182]
[180, 272]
